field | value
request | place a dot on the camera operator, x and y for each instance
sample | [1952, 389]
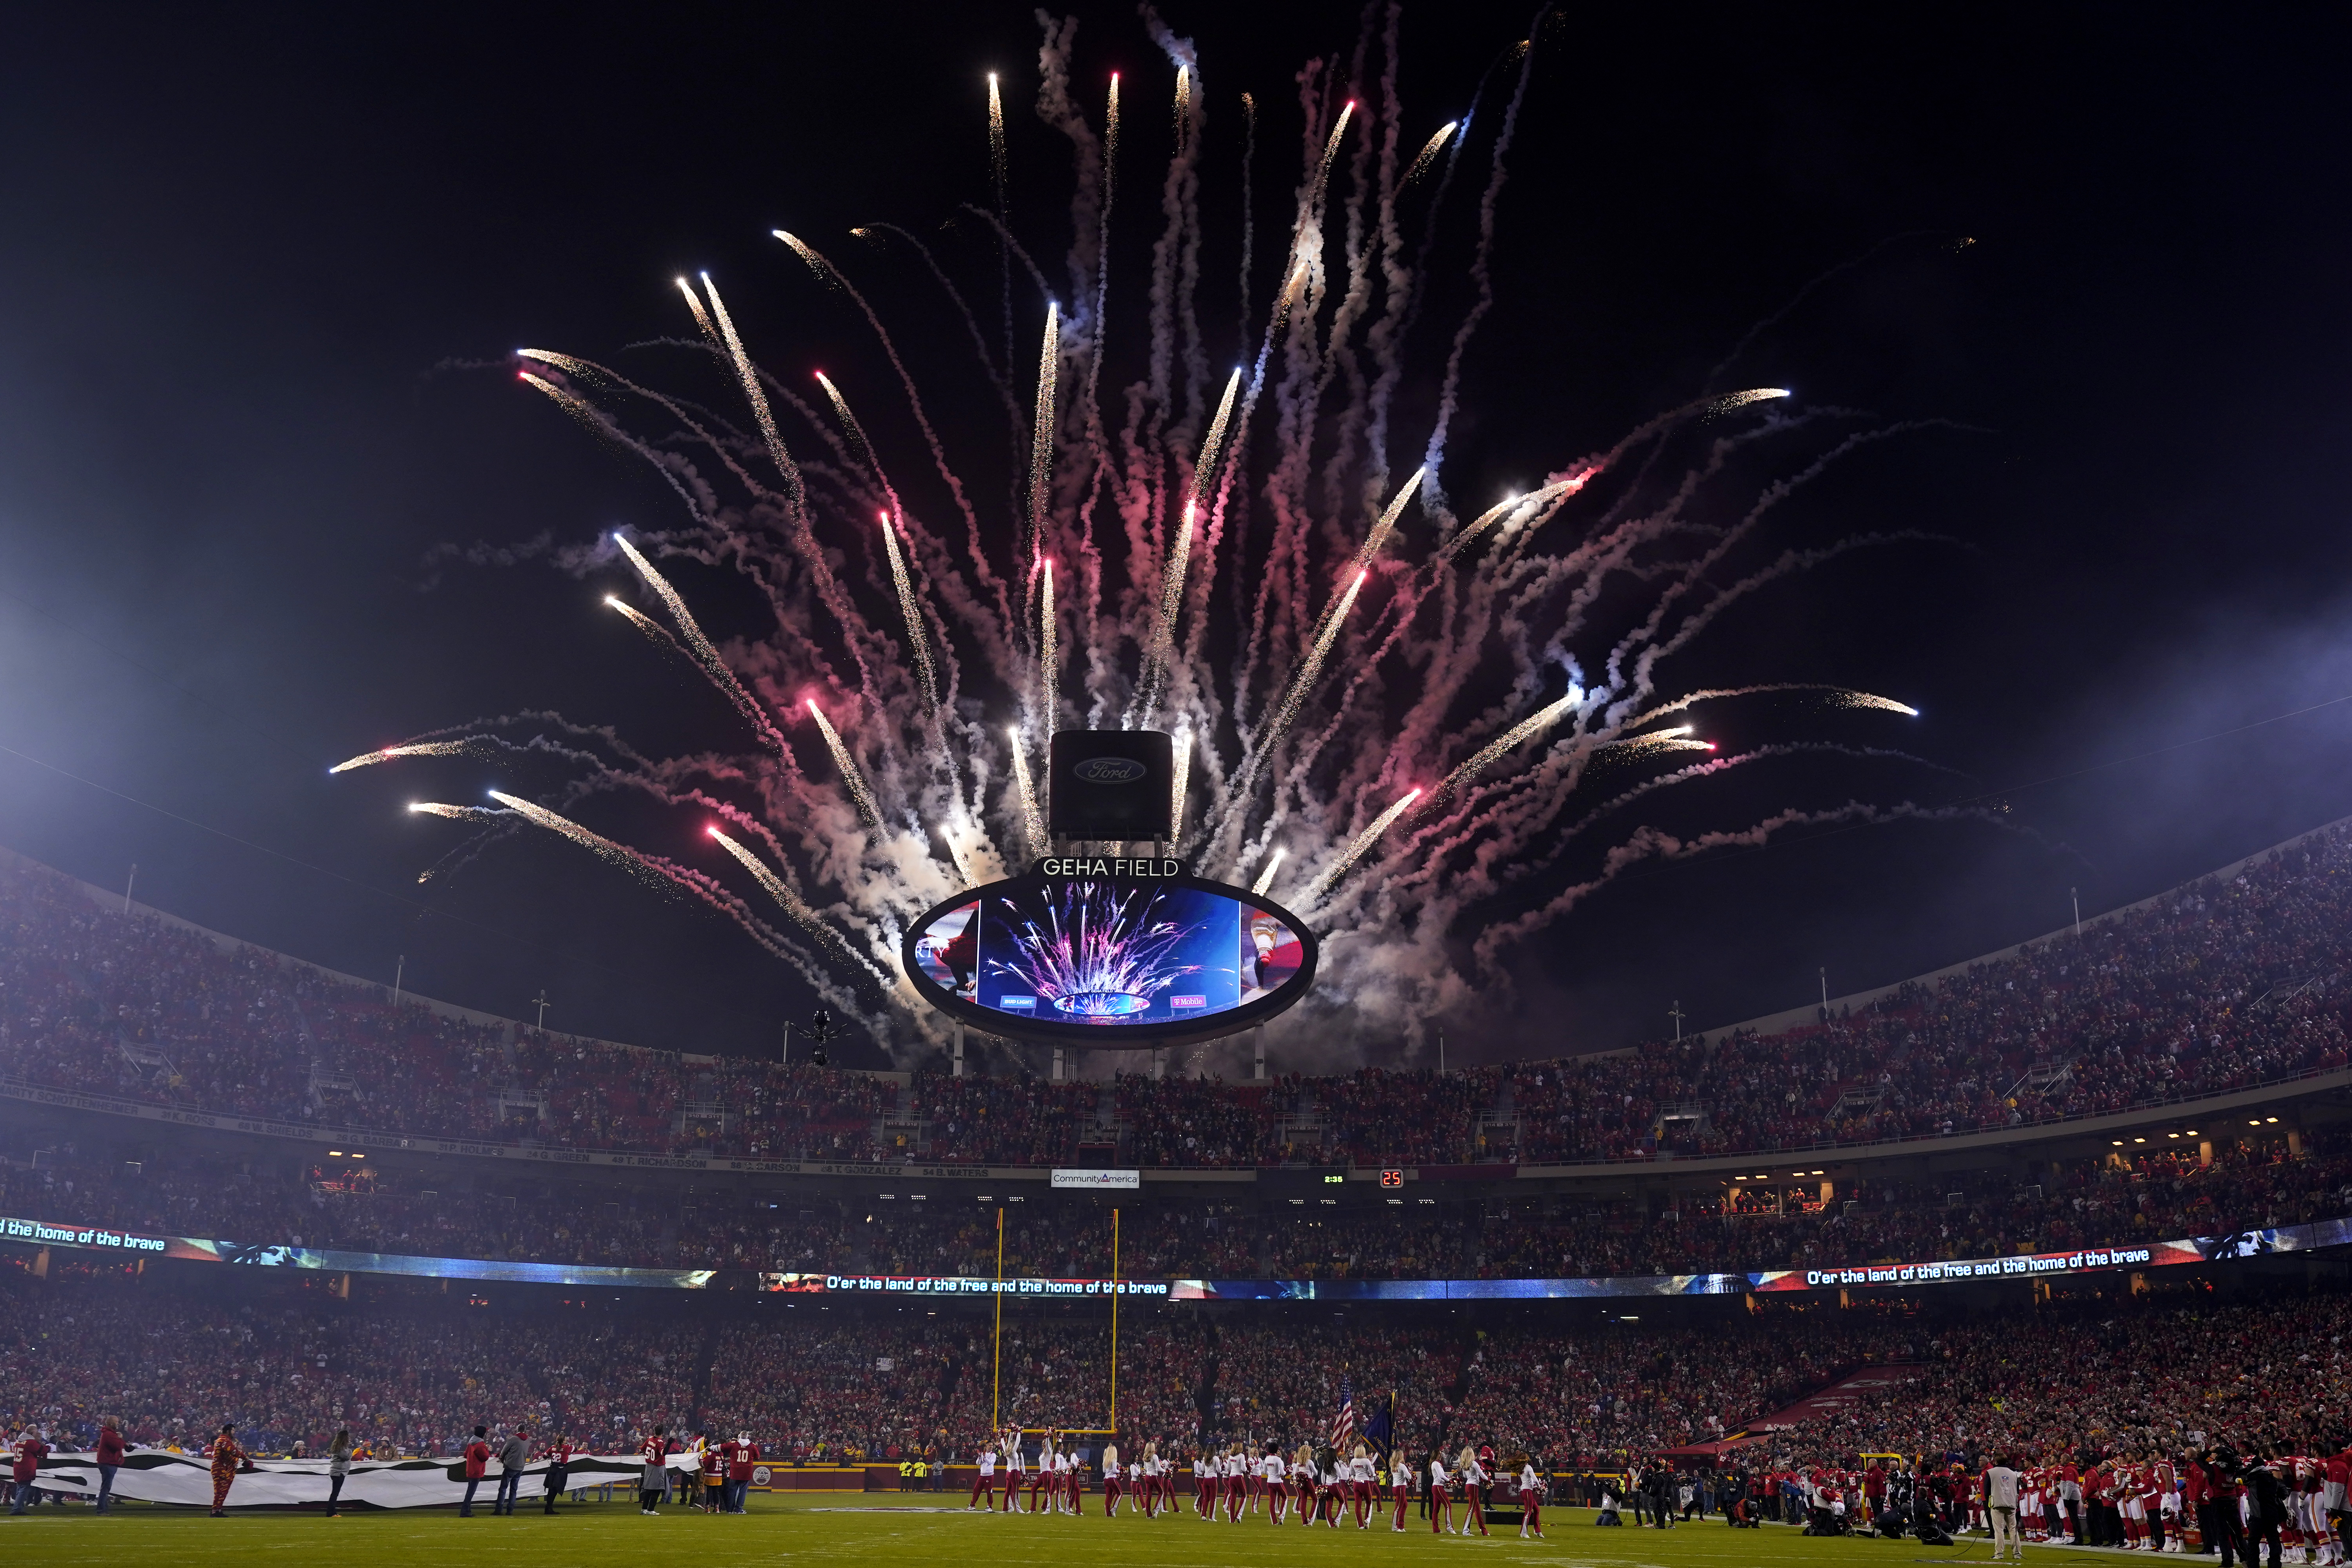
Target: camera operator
[2266, 1500]
[2225, 1483]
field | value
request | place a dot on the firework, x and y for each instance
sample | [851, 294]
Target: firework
[1032, 821]
[1311, 667]
[413, 749]
[1355, 851]
[605, 849]
[1049, 658]
[699, 646]
[653, 629]
[1429, 153]
[851, 778]
[792, 905]
[1177, 784]
[918, 646]
[455, 813]
[1217, 548]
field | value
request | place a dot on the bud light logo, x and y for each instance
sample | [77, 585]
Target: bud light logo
[1110, 771]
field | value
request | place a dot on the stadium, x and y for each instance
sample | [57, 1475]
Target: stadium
[1126, 943]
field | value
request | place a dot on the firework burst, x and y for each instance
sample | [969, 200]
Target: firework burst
[1242, 566]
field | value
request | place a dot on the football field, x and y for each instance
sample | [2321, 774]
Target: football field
[818, 1533]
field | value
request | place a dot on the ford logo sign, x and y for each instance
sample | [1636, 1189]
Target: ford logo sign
[1110, 771]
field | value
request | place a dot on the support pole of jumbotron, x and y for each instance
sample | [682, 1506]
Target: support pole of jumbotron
[996, 1340]
[1114, 1324]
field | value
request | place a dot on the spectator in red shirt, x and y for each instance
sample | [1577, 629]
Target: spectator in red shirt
[30, 1451]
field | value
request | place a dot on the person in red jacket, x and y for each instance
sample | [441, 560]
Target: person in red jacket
[30, 1451]
[477, 1464]
[226, 1457]
[109, 1459]
[743, 1454]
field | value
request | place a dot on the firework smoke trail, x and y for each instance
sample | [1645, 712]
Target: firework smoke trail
[792, 905]
[455, 813]
[1511, 741]
[752, 391]
[1845, 698]
[1000, 166]
[699, 646]
[1041, 440]
[919, 646]
[701, 317]
[1517, 505]
[1183, 746]
[1428, 154]
[596, 843]
[654, 631]
[851, 778]
[1265, 882]
[1355, 851]
[1387, 523]
[1301, 683]
[1049, 658]
[1171, 587]
[419, 748]
[1032, 822]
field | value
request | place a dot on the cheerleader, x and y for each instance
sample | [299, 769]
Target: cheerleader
[1111, 1475]
[1236, 1469]
[1273, 1475]
[1013, 1469]
[1302, 1478]
[1441, 1499]
[983, 1482]
[1074, 1482]
[1359, 1483]
[1400, 1488]
[1530, 1503]
[1041, 1479]
[1334, 1475]
[1473, 1478]
[1148, 1483]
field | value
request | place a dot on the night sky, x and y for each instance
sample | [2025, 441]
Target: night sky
[260, 270]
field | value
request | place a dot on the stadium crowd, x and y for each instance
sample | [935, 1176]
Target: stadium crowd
[415, 1374]
[2214, 986]
[2078, 1203]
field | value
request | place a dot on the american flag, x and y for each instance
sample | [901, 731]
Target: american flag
[1343, 1425]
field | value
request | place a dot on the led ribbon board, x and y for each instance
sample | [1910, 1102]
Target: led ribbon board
[1110, 954]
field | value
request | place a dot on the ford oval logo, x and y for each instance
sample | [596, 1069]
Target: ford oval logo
[1110, 771]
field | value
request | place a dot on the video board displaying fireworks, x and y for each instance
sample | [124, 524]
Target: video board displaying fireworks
[1042, 956]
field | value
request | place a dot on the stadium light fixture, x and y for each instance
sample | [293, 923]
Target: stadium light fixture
[2270, 1118]
[2117, 1142]
[334, 1153]
[2188, 1132]
[2254, 1122]
[2139, 1140]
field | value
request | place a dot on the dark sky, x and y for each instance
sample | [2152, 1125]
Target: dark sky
[239, 243]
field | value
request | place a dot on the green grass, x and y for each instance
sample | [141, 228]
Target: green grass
[845, 1529]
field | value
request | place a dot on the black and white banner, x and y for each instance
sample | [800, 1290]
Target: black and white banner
[155, 1475]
